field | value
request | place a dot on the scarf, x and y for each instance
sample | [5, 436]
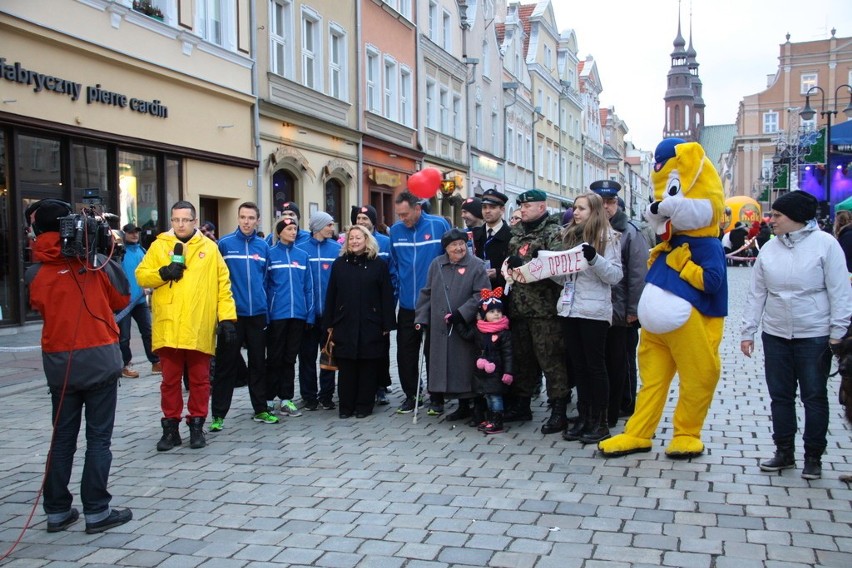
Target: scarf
[493, 326]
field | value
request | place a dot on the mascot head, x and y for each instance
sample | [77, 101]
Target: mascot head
[688, 195]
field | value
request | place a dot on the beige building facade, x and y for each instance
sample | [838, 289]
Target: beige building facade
[144, 108]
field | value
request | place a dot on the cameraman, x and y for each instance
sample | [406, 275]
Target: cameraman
[82, 363]
[192, 292]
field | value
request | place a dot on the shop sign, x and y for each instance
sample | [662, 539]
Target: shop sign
[95, 94]
[384, 177]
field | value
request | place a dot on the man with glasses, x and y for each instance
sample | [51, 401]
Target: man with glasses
[191, 294]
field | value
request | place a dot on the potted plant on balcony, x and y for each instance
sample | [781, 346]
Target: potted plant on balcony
[145, 7]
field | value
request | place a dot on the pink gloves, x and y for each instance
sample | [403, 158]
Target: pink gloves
[485, 365]
[507, 379]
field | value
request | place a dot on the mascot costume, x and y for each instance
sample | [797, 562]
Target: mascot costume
[683, 305]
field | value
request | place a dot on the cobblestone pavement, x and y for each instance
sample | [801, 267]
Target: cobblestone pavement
[320, 491]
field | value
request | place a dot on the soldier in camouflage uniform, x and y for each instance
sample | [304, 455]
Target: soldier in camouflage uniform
[537, 339]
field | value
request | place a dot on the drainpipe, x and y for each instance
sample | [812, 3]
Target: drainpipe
[255, 110]
[514, 87]
[359, 104]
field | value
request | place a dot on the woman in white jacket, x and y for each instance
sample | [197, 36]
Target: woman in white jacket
[800, 294]
[586, 308]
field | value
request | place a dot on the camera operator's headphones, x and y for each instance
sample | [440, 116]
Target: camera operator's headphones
[43, 215]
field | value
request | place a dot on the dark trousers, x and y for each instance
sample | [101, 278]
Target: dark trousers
[804, 364]
[250, 330]
[312, 341]
[356, 385]
[408, 352]
[585, 342]
[628, 402]
[283, 340]
[538, 347]
[616, 367]
[99, 404]
[142, 315]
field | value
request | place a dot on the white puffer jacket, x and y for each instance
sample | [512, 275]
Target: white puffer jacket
[799, 287]
[593, 286]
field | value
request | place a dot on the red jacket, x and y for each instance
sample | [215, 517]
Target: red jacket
[77, 306]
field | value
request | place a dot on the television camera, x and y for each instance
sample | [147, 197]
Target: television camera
[87, 234]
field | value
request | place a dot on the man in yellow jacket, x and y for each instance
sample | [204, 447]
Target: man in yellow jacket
[192, 292]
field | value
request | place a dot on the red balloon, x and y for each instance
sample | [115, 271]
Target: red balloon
[425, 183]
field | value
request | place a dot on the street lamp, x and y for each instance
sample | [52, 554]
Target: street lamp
[808, 113]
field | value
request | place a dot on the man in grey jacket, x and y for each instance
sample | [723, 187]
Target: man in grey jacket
[623, 335]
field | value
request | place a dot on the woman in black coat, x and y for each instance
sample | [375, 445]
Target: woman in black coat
[359, 314]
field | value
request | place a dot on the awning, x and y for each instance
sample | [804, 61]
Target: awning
[841, 134]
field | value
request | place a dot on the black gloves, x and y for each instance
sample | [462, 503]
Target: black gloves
[227, 332]
[589, 252]
[454, 318]
[514, 261]
[173, 271]
[835, 349]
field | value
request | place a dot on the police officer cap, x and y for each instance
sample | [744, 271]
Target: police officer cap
[532, 195]
[606, 188]
[495, 197]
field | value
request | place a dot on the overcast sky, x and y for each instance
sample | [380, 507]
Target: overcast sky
[737, 42]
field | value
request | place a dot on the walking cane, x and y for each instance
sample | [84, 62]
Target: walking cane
[419, 378]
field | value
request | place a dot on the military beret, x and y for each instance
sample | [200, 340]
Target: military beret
[495, 197]
[532, 195]
[606, 188]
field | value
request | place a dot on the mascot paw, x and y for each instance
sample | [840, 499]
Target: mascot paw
[623, 445]
[683, 447]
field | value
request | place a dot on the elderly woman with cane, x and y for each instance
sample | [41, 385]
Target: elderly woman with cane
[448, 301]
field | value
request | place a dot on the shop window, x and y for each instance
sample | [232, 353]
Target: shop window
[7, 279]
[333, 205]
[89, 170]
[137, 185]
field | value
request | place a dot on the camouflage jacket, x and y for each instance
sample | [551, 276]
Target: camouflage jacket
[538, 299]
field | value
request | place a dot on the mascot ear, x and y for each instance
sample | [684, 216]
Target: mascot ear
[690, 162]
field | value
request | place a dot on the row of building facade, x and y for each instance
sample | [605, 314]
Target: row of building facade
[324, 103]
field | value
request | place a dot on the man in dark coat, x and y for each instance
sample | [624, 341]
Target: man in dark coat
[623, 335]
[492, 246]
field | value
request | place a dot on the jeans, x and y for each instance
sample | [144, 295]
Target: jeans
[142, 315]
[804, 363]
[495, 402]
[308, 354]
[99, 403]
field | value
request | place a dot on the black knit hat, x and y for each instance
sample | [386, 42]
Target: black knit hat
[367, 210]
[290, 206]
[489, 304]
[47, 214]
[473, 205]
[799, 206]
[451, 236]
[284, 223]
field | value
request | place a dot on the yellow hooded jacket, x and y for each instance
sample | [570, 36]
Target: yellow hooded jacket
[186, 312]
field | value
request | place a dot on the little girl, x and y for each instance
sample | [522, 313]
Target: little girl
[494, 365]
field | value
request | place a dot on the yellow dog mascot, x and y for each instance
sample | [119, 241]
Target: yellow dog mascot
[683, 305]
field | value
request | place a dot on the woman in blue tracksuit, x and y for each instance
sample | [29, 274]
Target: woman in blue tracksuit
[291, 306]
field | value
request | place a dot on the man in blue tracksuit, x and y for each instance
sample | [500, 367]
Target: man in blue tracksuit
[322, 249]
[415, 243]
[138, 307]
[290, 288]
[247, 257]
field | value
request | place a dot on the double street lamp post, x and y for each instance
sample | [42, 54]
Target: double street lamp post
[808, 113]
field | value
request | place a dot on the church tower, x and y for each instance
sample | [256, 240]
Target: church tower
[684, 115]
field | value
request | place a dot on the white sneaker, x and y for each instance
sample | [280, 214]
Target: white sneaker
[289, 409]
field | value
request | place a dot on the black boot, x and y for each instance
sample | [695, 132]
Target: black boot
[785, 457]
[557, 421]
[596, 427]
[460, 413]
[520, 412]
[572, 434]
[813, 463]
[495, 425]
[196, 433]
[171, 436]
[480, 408]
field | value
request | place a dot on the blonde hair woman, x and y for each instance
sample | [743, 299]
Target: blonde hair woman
[359, 315]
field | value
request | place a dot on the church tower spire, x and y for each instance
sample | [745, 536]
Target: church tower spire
[684, 107]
